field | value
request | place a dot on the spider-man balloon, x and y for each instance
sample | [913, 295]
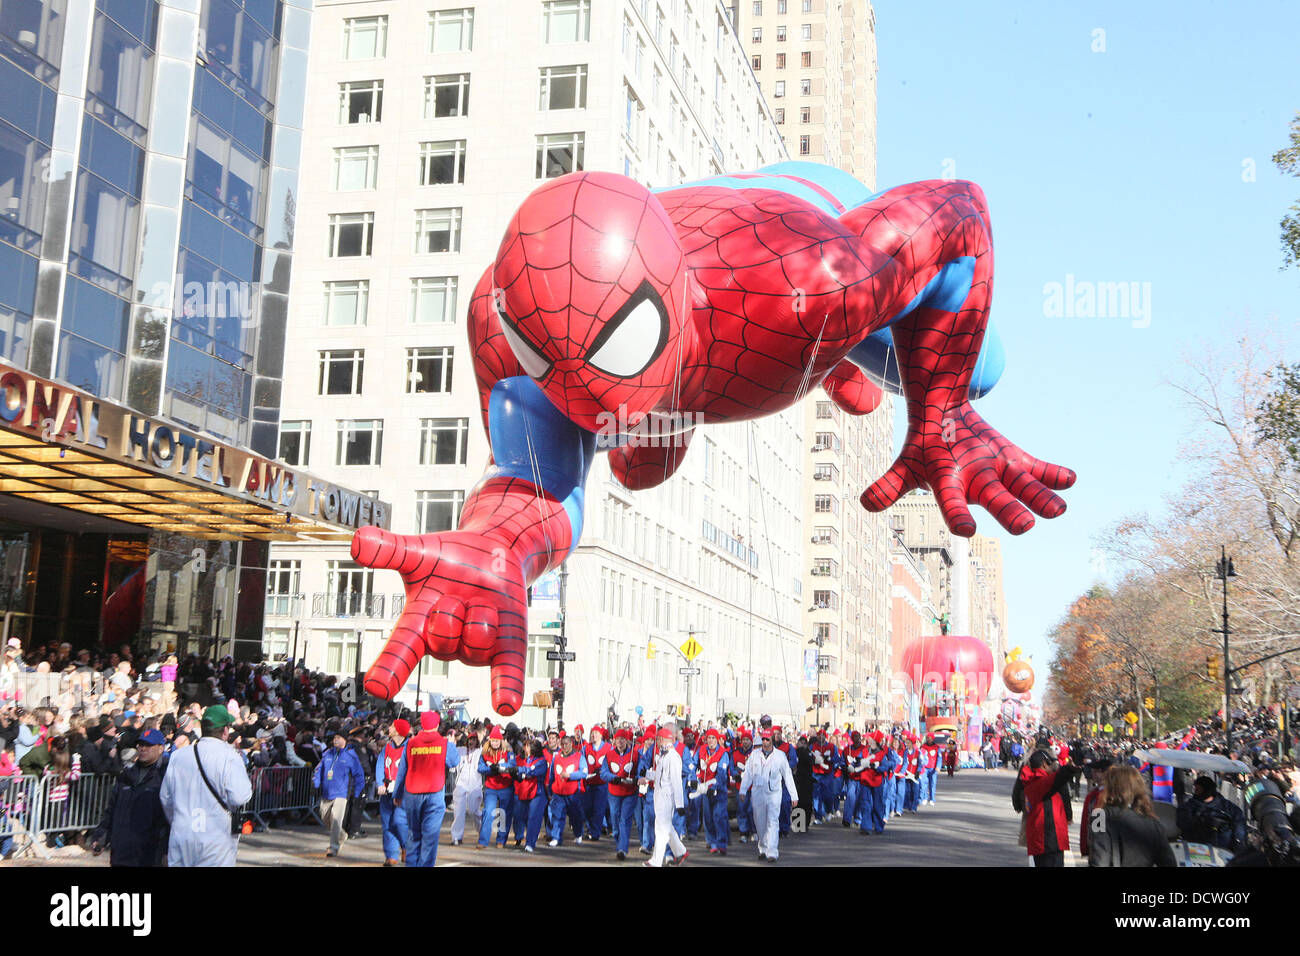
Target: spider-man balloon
[613, 313]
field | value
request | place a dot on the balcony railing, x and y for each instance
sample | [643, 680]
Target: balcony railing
[284, 605]
[347, 604]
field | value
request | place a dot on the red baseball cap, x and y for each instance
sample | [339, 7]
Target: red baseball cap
[430, 719]
[667, 731]
[403, 727]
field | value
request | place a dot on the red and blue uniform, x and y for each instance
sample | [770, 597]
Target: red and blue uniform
[714, 772]
[624, 801]
[498, 794]
[392, 818]
[744, 806]
[422, 792]
[567, 773]
[595, 794]
[530, 799]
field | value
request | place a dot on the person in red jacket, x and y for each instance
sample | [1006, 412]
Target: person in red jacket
[1096, 775]
[1040, 793]
[420, 788]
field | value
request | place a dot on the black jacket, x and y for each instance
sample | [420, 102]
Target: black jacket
[1217, 822]
[1118, 836]
[134, 826]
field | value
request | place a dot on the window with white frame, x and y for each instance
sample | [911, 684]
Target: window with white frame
[361, 101]
[538, 665]
[805, 31]
[340, 651]
[563, 87]
[295, 443]
[757, 35]
[283, 584]
[355, 167]
[275, 644]
[779, 117]
[351, 234]
[780, 89]
[451, 31]
[437, 230]
[758, 8]
[348, 577]
[805, 87]
[437, 510]
[341, 371]
[346, 302]
[442, 163]
[444, 441]
[805, 145]
[780, 34]
[360, 441]
[433, 300]
[559, 153]
[365, 38]
[446, 95]
[566, 21]
[429, 369]
[805, 114]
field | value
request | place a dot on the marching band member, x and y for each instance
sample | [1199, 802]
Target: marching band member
[645, 787]
[391, 768]
[595, 795]
[769, 779]
[530, 796]
[619, 773]
[855, 756]
[821, 752]
[428, 758]
[879, 770]
[495, 763]
[787, 799]
[689, 823]
[931, 751]
[744, 808]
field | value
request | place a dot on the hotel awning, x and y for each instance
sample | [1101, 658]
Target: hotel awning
[66, 448]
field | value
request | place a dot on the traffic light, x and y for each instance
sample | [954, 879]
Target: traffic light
[1149, 703]
[649, 652]
[1212, 667]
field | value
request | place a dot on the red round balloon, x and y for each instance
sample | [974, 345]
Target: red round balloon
[937, 659]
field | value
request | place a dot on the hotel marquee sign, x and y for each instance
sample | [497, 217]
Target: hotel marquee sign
[61, 415]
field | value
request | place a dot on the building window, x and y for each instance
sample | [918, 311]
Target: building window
[826, 504]
[429, 370]
[805, 87]
[356, 167]
[437, 510]
[758, 8]
[807, 6]
[341, 371]
[365, 38]
[437, 230]
[805, 145]
[283, 580]
[446, 95]
[805, 114]
[538, 665]
[444, 441]
[442, 163]
[757, 35]
[451, 31]
[780, 34]
[346, 302]
[563, 87]
[780, 89]
[275, 643]
[295, 443]
[826, 600]
[805, 31]
[780, 117]
[361, 101]
[805, 58]
[559, 153]
[566, 21]
[433, 300]
[780, 61]
[340, 651]
[780, 6]
[824, 410]
[756, 62]
[347, 577]
[360, 442]
[351, 234]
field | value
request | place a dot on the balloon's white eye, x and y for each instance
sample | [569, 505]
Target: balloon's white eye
[534, 362]
[633, 338]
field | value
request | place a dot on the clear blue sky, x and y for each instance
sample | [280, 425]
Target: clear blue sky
[1117, 166]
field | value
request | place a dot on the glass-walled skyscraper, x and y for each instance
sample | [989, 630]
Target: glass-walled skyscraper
[148, 165]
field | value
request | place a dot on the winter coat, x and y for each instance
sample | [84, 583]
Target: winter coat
[1047, 824]
[134, 825]
[1119, 836]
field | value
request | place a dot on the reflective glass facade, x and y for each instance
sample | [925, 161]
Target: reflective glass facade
[148, 174]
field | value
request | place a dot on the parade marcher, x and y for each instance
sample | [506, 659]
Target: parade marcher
[931, 774]
[338, 776]
[619, 773]
[495, 763]
[467, 794]
[530, 796]
[822, 754]
[568, 770]
[595, 793]
[792, 759]
[688, 820]
[915, 763]
[950, 758]
[875, 790]
[768, 777]
[669, 800]
[392, 818]
[714, 771]
[744, 802]
[134, 827]
[645, 788]
[422, 788]
[203, 785]
[855, 761]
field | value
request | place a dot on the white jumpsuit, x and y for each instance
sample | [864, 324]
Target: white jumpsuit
[669, 797]
[200, 833]
[764, 776]
[467, 797]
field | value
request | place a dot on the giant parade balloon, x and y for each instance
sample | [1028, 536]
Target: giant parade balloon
[963, 665]
[1018, 674]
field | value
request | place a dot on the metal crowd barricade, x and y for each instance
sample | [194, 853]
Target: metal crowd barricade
[74, 805]
[281, 788]
[17, 803]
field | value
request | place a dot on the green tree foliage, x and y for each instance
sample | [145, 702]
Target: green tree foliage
[1288, 161]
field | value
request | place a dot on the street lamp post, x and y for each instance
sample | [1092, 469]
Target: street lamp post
[1223, 570]
[564, 590]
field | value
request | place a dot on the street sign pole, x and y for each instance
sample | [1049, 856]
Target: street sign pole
[564, 581]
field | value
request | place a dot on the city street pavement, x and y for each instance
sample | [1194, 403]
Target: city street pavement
[972, 824]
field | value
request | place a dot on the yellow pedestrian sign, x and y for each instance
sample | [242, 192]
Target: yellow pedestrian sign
[691, 649]
[1131, 717]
